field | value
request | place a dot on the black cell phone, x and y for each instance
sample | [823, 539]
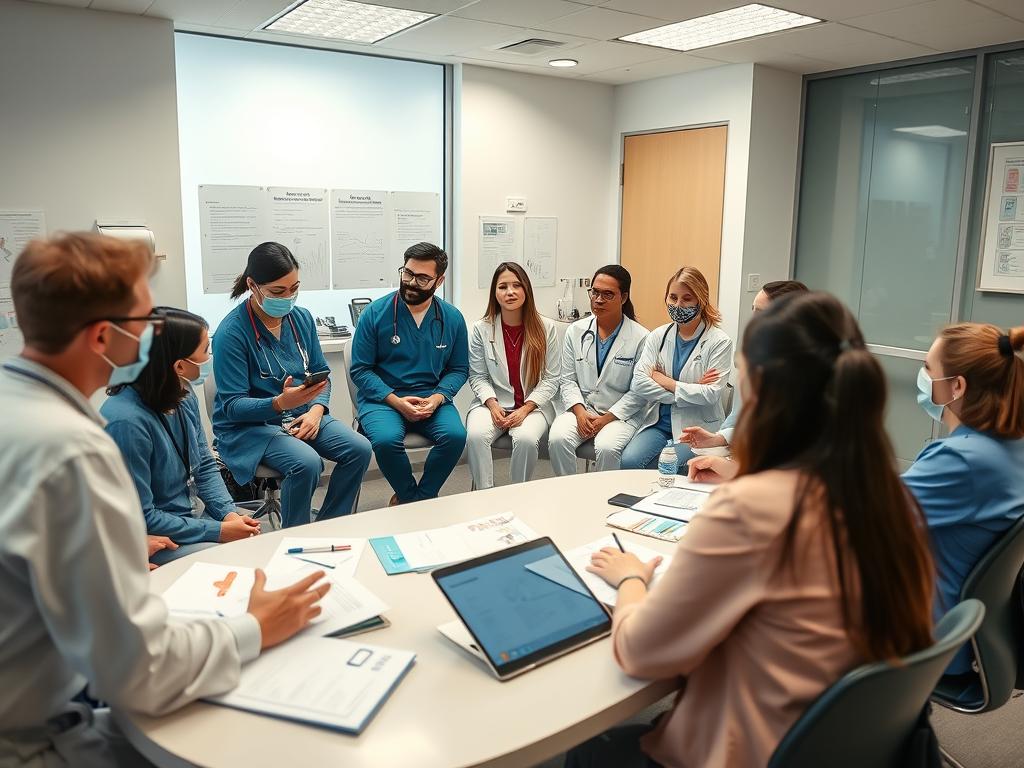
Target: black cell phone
[624, 500]
[315, 378]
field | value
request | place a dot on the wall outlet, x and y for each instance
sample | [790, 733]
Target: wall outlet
[753, 282]
[515, 204]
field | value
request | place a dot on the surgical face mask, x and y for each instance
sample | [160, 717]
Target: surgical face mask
[276, 306]
[126, 374]
[205, 368]
[682, 314]
[924, 394]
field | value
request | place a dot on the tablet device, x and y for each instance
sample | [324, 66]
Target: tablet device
[523, 606]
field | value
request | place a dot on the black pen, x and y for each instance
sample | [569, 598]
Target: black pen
[618, 543]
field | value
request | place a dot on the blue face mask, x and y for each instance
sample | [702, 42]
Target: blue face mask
[205, 369]
[682, 314]
[276, 306]
[924, 394]
[126, 374]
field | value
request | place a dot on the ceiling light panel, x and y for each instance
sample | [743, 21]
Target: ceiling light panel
[722, 27]
[345, 20]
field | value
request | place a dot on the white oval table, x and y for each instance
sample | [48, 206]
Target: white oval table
[448, 711]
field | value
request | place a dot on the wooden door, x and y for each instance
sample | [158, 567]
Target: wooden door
[673, 188]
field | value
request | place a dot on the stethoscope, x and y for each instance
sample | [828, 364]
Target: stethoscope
[664, 337]
[583, 342]
[259, 346]
[438, 318]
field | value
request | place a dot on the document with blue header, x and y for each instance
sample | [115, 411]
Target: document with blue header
[425, 550]
[338, 684]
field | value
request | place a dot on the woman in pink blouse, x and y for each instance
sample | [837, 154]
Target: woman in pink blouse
[812, 561]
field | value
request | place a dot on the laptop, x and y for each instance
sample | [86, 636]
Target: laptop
[520, 607]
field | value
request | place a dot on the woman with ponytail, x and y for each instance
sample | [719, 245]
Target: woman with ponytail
[814, 560]
[971, 483]
[598, 358]
[265, 413]
[513, 371]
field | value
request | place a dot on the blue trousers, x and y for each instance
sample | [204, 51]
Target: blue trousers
[642, 451]
[386, 429]
[300, 462]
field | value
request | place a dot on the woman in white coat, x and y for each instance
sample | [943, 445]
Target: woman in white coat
[598, 358]
[683, 370]
[513, 371]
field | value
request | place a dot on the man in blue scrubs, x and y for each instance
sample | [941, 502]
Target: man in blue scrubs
[410, 357]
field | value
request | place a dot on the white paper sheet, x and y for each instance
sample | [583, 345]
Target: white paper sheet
[579, 559]
[299, 218]
[540, 249]
[17, 229]
[359, 238]
[415, 218]
[232, 221]
[342, 563]
[330, 682]
[463, 541]
[498, 242]
[677, 503]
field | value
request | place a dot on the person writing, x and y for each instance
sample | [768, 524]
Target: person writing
[77, 608]
[813, 561]
[155, 422]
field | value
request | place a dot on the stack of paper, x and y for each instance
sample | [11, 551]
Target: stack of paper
[425, 550]
[337, 684]
[655, 526]
[209, 590]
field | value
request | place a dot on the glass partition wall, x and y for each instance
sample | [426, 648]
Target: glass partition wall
[889, 158]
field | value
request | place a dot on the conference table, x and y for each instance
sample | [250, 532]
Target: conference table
[448, 711]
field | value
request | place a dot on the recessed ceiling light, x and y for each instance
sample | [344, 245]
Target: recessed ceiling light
[722, 27]
[932, 131]
[345, 20]
[563, 63]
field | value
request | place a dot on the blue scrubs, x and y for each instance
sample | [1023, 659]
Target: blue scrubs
[643, 450]
[971, 488]
[248, 429]
[157, 468]
[414, 367]
[603, 347]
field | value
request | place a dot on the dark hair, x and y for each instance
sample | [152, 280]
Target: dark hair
[428, 252]
[64, 283]
[817, 406]
[989, 359]
[535, 335]
[267, 262]
[778, 288]
[621, 275]
[158, 385]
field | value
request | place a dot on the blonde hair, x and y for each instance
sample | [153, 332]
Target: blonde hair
[991, 362]
[693, 279]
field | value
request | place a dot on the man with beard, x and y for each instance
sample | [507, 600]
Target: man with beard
[410, 357]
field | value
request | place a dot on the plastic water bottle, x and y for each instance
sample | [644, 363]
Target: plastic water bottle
[668, 465]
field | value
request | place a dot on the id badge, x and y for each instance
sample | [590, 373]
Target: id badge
[193, 495]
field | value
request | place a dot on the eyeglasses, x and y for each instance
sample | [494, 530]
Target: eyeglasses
[156, 320]
[408, 277]
[602, 295]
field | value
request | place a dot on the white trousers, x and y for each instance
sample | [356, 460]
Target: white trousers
[564, 439]
[481, 433]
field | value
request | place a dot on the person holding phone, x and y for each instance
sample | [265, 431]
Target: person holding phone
[271, 371]
[155, 422]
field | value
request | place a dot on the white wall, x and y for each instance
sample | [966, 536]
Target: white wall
[545, 139]
[88, 124]
[762, 109]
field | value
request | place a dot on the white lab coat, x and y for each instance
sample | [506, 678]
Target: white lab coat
[74, 582]
[609, 390]
[693, 405]
[488, 369]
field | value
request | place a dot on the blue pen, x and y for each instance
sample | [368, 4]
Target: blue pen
[311, 550]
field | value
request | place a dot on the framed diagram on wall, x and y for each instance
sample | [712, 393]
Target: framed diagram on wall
[1001, 266]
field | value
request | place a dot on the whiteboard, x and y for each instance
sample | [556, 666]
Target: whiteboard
[278, 117]
[1001, 266]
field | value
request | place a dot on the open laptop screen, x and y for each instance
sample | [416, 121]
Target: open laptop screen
[523, 604]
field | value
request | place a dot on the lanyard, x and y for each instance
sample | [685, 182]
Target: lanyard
[37, 378]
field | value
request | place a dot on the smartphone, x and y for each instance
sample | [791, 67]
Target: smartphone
[624, 500]
[315, 378]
